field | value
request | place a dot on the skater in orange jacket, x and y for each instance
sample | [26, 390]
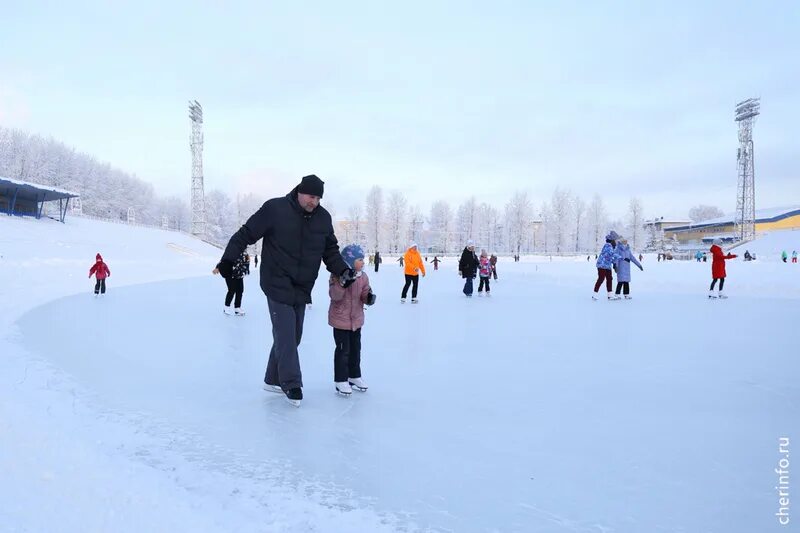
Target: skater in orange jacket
[413, 267]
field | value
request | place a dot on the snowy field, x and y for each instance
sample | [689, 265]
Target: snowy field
[535, 410]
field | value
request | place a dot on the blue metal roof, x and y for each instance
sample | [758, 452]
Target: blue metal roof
[762, 216]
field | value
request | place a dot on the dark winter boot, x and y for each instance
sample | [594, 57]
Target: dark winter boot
[294, 396]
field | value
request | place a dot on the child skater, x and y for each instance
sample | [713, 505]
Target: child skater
[346, 317]
[718, 269]
[484, 272]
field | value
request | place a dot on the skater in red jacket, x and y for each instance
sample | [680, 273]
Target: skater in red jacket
[101, 272]
[718, 268]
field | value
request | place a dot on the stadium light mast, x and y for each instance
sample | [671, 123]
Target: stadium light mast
[745, 218]
[198, 197]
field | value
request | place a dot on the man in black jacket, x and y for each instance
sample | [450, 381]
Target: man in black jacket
[298, 234]
[468, 267]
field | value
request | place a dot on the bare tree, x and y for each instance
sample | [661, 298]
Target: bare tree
[355, 223]
[561, 213]
[374, 215]
[467, 219]
[519, 216]
[441, 224]
[416, 220]
[699, 213]
[547, 227]
[636, 222]
[598, 221]
[579, 211]
[396, 215]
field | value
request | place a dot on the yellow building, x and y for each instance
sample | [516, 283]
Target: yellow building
[724, 227]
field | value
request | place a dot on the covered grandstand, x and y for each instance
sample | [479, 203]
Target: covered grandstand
[22, 198]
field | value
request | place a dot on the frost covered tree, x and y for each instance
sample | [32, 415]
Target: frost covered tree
[416, 222]
[699, 213]
[579, 213]
[374, 217]
[518, 220]
[560, 219]
[221, 217]
[105, 191]
[396, 219]
[355, 223]
[440, 223]
[467, 220]
[598, 221]
[636, 223]
[489, 227]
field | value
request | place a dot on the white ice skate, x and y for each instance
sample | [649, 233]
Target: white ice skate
[594, 296]
[273, 388]
[358, 384]
[227, 310]
[239, 312]
[402, 300]
[612, 296]
[293, 403]
[414, 301]
[488, 294]
[712, 295]
[722, 296]
[628, 297]
[343, 388]
[480, 294]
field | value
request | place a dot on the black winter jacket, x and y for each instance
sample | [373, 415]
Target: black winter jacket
[295, 242]
[468, 264]
[239, 267]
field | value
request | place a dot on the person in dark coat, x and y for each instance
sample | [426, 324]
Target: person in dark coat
[378, 260]
[235, 285]
[297, 235]
[493, 262]
[468, 267]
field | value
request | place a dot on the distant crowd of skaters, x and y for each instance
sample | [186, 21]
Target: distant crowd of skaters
[297, 236]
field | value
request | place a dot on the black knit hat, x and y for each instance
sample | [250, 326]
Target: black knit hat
[312, 185]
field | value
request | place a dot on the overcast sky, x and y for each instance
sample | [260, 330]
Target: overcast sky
[441, 100]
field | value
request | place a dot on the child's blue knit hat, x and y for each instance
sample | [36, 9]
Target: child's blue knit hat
[351, 253]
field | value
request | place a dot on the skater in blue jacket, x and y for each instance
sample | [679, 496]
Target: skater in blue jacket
[605, 261]
[623, 268]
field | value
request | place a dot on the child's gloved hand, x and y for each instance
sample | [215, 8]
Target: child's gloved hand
[347, 278]
[371, 298]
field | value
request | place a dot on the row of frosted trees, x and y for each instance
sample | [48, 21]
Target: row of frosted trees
[563, 224]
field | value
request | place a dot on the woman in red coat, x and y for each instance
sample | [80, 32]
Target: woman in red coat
[101, 272]
[718, 268]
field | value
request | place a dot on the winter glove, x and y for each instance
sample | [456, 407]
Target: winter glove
[627, 260]
[371, 298]
[615, 268]
[225, 269]
[641, 268]
[347, 278]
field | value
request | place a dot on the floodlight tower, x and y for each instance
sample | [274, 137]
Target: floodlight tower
[745, 219]
[198, 199]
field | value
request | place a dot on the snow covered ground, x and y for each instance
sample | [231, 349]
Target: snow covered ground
[536, 410]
